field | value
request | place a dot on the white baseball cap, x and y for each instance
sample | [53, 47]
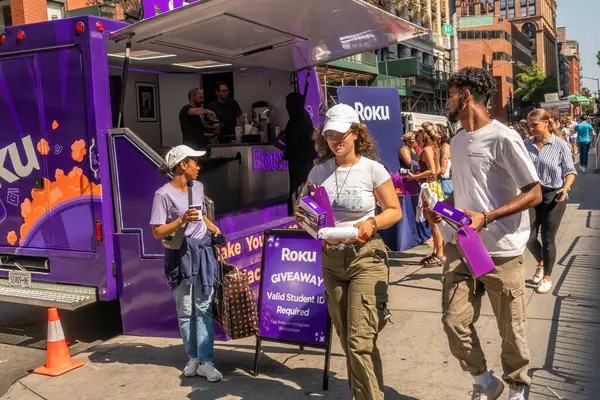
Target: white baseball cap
[180, 153]
[340, 118]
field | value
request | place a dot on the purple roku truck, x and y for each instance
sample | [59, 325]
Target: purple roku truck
[76, 190]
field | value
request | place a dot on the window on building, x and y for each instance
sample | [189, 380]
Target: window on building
[478, 35]
[523, 11]
[502, 4]
[462, 34]
[7, 15]
[532, 9]
[511, 13]
[470, 35]
[503, 13]
[523, 3]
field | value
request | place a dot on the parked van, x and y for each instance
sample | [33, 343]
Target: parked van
[412, 121]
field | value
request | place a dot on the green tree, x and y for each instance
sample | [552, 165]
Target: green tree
[534, 84]
[598, 58]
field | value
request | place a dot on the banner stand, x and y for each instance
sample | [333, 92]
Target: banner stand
[319, 321]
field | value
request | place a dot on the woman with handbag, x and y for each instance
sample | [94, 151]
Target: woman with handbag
[179, 220]
[355, 272]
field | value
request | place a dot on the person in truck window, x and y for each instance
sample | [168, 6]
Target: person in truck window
[191, 271]
[192, 122]
[299, 145]
[227, 111]
[355, 271]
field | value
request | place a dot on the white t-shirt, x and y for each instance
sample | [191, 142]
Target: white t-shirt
[352, 198]
[490, 166]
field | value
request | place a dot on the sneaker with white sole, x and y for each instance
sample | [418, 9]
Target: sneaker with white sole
[209, 371]
[538, 276]
[492, 392]
[545, 286]
[191, 368]
[516, 394]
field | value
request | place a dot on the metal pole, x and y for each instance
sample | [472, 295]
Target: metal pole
[124, 82]
[455, 42]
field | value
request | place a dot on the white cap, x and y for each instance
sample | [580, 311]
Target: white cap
[340, 118]
[180, 153]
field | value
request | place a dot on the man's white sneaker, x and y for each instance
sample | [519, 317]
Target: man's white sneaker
[545, 286]
[538, 276]
[492, 392]
[516, 394]
[209, 371]
[191, 367]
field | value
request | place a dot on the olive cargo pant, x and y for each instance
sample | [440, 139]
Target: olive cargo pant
[461, 302]
[356, 281]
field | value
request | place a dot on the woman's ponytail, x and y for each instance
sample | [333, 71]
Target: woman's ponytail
[164, 170]
[553, 127]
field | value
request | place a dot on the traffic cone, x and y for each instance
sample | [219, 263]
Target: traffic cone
[58, 359]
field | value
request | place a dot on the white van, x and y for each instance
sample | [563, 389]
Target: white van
[412, 121]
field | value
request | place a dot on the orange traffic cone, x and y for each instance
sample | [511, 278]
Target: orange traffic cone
[58, 359]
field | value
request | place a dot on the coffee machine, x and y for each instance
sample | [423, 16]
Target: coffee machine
[261, 116]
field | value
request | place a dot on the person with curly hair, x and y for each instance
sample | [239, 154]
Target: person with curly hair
[427, 138]
[495, 183]
[355, 272]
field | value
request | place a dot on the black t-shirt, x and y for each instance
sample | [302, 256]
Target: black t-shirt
[192, 129]
[227, 114]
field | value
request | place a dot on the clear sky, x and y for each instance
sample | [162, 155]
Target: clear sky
[581, 19]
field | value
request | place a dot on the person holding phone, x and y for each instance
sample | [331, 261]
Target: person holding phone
[554, 165]
[355, 271]
[191, 270]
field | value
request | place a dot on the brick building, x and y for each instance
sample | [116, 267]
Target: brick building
[18, 12]
[495, 44]
[534, 18]
[569, 50]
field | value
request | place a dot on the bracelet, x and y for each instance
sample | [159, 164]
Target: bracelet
[373, 222]
[485, 220]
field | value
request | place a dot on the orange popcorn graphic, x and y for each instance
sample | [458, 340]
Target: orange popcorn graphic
[78, 150]
[43, 147]
[11, 238]
[54, 125]
[65, 187]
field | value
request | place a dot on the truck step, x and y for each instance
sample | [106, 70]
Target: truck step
[65, 297]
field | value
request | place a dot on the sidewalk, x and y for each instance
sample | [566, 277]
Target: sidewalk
[563, 332]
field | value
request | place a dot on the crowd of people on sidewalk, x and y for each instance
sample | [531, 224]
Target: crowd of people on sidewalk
[513, 184]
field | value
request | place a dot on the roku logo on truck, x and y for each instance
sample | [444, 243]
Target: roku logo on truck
[19, 170]
[372, 113]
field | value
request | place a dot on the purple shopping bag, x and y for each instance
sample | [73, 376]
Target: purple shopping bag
[473, 252]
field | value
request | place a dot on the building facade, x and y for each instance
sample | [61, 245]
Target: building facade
[495, 44]
[534, 18]
[424, 63]
[569, 52]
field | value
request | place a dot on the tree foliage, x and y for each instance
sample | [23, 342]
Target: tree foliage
[534, 84]
[598, 58]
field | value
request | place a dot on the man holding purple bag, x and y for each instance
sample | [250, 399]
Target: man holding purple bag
[494, 181]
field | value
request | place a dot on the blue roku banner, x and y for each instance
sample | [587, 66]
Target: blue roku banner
[379, 109]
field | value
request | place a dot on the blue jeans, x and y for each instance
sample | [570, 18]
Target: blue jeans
[196, 321]
[584, 149]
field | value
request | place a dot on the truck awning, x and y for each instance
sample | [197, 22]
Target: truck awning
[287, 35]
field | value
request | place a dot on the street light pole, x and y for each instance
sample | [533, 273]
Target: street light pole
[594, 79]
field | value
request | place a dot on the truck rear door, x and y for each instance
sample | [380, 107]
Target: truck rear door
[46, 178]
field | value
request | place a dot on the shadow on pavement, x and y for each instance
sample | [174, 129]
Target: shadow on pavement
[275, 381]
[572, 364]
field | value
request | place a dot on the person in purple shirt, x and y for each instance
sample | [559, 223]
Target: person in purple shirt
[191, 270]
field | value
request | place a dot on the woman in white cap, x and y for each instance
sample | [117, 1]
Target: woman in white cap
[355, 271]
[179, 220]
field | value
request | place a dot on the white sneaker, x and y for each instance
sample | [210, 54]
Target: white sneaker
[538, 276]
[545, 286]
[209, 371]
[191, 367]
[516, 394]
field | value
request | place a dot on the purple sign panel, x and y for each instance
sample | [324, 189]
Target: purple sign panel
[268, 160]
[292, 297]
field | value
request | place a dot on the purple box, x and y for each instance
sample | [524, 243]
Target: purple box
[451, 214]
[473, 252]
[314, 217]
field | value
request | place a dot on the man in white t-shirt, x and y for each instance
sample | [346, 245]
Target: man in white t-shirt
[495, 182]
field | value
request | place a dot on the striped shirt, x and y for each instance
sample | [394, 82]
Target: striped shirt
[553, 163]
